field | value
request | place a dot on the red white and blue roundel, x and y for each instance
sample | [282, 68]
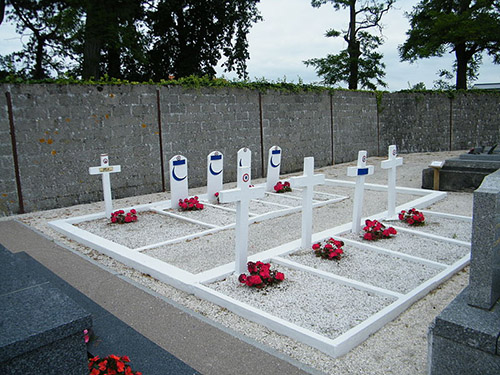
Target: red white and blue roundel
[245, 177]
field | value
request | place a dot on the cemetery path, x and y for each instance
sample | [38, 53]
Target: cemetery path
[400, 347]
[187, 338]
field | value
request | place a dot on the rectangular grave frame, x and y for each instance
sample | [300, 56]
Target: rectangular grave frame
[196, 283]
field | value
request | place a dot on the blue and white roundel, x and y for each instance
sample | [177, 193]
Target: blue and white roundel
[245, 177]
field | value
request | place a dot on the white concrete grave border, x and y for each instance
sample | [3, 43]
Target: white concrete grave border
[197, 283]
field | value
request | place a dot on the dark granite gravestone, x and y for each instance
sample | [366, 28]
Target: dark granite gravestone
[465, 172]
[464, 338]
[41, 329]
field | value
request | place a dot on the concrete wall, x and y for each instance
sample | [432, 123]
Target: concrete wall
[60, 131]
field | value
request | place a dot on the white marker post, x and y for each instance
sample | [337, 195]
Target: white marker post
[178, 180]
[273, 168]
[360, 172]
[244, 160]
[105, 169]
[391, 164]
[215, 174]
[308, 180]
[242, 196]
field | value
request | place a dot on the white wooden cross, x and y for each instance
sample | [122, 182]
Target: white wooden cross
[215, 173]
[308, 180]
[178, 180]
[360, 172]
[391, 164]
[273, 168]
[242, 196]
[105, 169]
[244, 157]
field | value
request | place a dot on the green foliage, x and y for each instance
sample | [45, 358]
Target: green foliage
[359, 64]
[51, 27]
[464, 27]
[190, 82]
[190, 36]
[130, 39]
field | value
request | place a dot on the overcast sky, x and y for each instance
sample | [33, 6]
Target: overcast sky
[293, 31]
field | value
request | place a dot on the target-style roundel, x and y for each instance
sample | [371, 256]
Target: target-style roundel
[245, 177]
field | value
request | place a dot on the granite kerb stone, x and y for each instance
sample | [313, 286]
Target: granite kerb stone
[469, 325]
[36, 316]
[484, 283]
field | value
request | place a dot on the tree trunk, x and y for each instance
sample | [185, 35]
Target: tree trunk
[93, 41]
[38, 72]
[462, 61]
[353, 48]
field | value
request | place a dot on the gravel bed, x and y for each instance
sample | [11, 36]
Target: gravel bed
[150, 228]
[400, 347]
[411, 244]
[209, 215]
[382, 270]
[450, 228]
[309, 301]
[282, 199]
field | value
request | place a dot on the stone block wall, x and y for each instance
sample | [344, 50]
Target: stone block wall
[300, 125]
[196, 122]
[476, 120]
[354, 116]
[9, 201]
[61, 130]
[415, 122]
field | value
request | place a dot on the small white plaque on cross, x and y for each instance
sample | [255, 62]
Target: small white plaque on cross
[242, 196]
[360, 172]
[105, 169]
[391, 164]
[308, 180]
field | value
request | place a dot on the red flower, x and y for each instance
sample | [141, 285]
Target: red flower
[254, 280]
[252, 267]
[242, 278]
[368, 236]
[111, 371]
[265, 274]
[316, 246]
[94, 371]
[103, 365]
[279, 276]
[120, 366]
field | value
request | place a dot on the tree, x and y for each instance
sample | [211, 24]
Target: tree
[466, 27]
[112, 44]
[51, 26]
[358, 64]
[191, 36]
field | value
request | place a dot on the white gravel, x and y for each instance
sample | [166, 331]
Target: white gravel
[398, 348]
[385, 271]
[407, 243]
[309, 301]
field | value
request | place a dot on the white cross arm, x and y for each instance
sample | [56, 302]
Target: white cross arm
[302, 181]
[101, 170]
[390, 163]
[357, 171]
[234, 195]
